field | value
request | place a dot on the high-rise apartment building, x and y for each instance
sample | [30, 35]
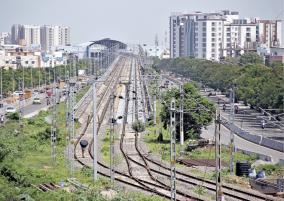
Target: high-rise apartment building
[46, 36]
[269, 32]
[52, 36]
[217, 35]
[25, 34]
[16, 33]
[31, 35]
[239, 37]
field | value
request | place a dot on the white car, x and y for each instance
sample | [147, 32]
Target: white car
[36, 101]
[10, 109]
[17, 93]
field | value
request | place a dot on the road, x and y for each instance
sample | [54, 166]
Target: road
[240, 143]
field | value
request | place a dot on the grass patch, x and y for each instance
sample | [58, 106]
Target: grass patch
[25, 160]
[105, 150]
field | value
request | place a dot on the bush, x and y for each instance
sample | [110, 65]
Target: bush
[14, 116]
[138, 126]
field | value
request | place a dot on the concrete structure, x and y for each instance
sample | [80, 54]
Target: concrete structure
[52, 36]
[208, 36]
[29, 35]
[16, 33]
[199, 34]
[269, 32]
[5, 38]
[239, 37]
[214, 36]
[15, 56]
[46, 36]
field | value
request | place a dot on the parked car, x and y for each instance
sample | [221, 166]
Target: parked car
[17, 93]
[36, 101]
[10, 109]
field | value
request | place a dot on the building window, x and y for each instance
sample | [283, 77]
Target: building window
[7, 62]
[204, 40]
[213, 50]
[204, 29]
[213, 24]
[213, 55]
[213, 40]
[203, 44]
[248, 29]
[213, 34]
[26, 62]
[204, 34]
[204, 49]
[213, 29]
[33, 62]
[213, 44]
[203, 23]
[228, 29]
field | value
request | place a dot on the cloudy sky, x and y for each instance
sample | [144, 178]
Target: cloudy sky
[132, 21]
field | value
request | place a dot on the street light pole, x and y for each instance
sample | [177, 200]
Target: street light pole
[181, 115]
[95, 168]
[218, 155]
[231, 119]
[173, 149]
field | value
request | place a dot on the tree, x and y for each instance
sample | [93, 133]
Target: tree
[138, 126]
[251, 58]
[198, 110]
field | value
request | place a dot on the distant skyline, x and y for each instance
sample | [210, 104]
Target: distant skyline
[129, 21]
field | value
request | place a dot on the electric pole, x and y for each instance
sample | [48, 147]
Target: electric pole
[181, 115]
[53, 127]
[231, 119]
[155, 110]
[111, 137]
[173, 149]
[71, 123]
[95, 168]
[218, 155]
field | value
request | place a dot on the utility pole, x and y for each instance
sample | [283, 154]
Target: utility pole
[1, 89]
[181, 115]
[53, 127]
[155, 110]
[231, 119]
[111, 137]
[173, 149]
[71, 124]
[218, 156]
[95, 161]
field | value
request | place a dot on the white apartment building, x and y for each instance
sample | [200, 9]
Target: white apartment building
[239, 37]
[5, 38]
[52, 36]
[208, 36]
[30, 35]
[46, 36]
[214, 36]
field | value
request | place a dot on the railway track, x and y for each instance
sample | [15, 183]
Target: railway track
[228, 190]
[144, 184]
[141, 185]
